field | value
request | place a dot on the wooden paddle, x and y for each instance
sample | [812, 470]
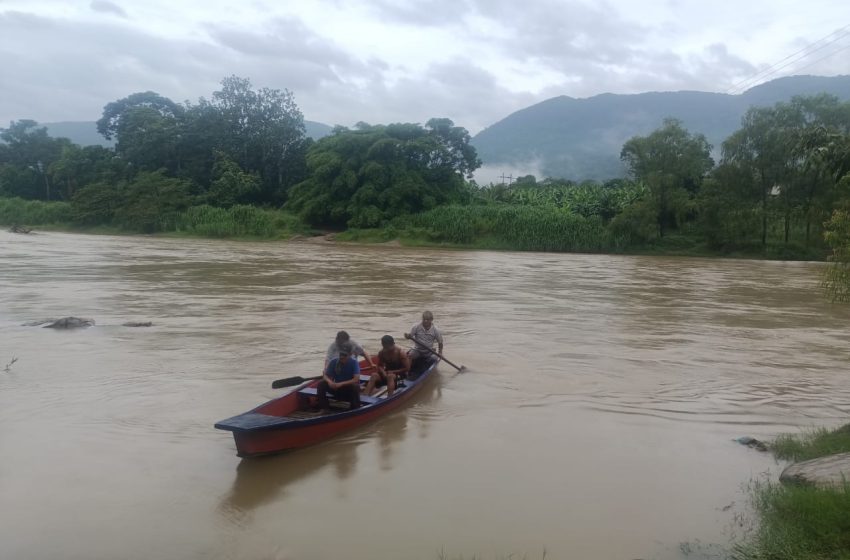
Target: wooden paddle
[292, 381]
[424, 347]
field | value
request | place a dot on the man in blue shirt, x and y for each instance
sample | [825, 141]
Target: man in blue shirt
[341, 379]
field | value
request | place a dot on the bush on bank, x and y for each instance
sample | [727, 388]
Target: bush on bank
[236, 221]
[17, 211]
[99, 212]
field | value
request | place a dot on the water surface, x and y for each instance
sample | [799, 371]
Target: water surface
[596, 419]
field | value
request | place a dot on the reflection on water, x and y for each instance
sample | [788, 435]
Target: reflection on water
[599, 387]
[264, 479]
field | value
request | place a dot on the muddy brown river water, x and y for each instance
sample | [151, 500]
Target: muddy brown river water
[596, 419]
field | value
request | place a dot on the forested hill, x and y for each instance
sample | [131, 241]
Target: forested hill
[85, 133]
[582, 138]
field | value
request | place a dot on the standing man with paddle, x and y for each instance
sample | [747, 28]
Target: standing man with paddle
[425, 334]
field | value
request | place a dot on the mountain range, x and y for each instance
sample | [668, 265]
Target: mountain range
[581, 139]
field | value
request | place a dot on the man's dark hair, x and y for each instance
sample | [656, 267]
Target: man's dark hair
[341, 337]
[387, 340]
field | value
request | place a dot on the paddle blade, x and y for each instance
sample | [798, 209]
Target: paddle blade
[288, 382]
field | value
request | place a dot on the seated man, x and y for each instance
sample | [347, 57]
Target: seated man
[341, 379]
[356, 350]
[392, 364]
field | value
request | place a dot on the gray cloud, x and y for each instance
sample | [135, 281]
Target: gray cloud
[60, 69]
[420, 13]
[92, 64]
[79, 67]
[107, 7]
[285, 38]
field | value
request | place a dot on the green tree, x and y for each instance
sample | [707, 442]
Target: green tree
[262, 131]
[96, 203]
[835, 153]
[836, 281]
[114, 121]
[152, 202]
[764, 145]
[146, 127]
[728, 215]
[231, 185]
[79, 166]
[783, 147]
[28, 151]
[366, 176]
[672, 163]
[455, 153]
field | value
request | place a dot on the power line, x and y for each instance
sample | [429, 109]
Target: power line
[776, 67]
[762, 79]
[844, 48]
[758, 74]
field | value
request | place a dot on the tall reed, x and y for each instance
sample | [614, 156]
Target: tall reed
[237, 221]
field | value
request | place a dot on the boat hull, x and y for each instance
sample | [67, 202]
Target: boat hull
[271, 428]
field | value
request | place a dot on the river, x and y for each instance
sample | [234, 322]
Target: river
[596, 419]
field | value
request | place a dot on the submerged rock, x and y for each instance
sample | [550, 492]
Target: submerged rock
[70, 323]
[137, 324]
[19, 229]
[830, 471]
[752, 443]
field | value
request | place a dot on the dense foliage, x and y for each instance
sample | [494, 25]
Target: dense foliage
[367, 176]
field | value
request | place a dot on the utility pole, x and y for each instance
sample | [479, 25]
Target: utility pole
[510, 178]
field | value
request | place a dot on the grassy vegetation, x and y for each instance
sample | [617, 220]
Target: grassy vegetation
[237, 222]
[493, 225]
[816, 443]
[522, 228]
[801, 522]
[17, 211]
[202, 221]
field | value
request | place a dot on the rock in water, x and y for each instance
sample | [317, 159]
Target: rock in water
[70, 323]
[137, 324]
[752, 442]
[830, 471]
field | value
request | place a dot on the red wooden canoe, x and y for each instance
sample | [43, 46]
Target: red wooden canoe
[291, 421]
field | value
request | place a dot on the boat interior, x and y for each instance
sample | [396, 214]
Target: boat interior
[304, 404]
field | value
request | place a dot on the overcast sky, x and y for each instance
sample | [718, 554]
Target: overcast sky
[381, 61]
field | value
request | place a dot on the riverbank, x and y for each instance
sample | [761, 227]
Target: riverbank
[802, 521]
[671, 246]
[495, 229]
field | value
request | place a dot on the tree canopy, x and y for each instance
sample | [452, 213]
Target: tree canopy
[366, 176]
[672, 162]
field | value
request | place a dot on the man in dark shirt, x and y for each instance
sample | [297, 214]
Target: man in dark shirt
[341, 379]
